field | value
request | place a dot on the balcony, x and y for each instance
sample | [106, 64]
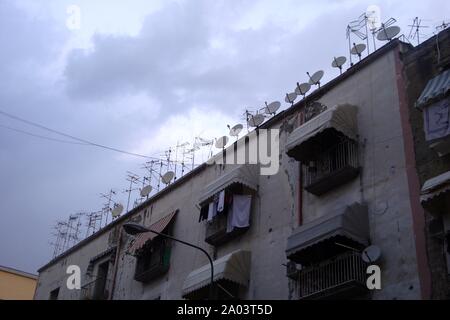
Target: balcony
[216, 231]
[331, 168]
[341, 277]
[96, 290]
[153, 263]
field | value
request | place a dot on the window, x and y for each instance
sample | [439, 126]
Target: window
[153, 260]
[54, 294]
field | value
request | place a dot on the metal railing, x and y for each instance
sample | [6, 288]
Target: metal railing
[95, 290]
[340, 156]
[332, 274]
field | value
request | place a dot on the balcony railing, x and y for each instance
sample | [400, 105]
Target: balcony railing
[342, 276]
[216, 231]
[96, 289]
[332, 167]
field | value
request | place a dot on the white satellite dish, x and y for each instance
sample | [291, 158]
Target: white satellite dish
[302, 89]
[357, 49]
[388, 33]
[145, 191]
[290, 97]
[255, 120]
[338, 62]
[315, 78]
[221, 142]
[167, 177]
[235, 130]
[117, 210]
[272, 107]
[371, 254]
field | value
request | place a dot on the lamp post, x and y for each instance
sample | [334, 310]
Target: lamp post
[134, 228]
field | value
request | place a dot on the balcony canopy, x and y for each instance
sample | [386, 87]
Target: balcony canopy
[348, 226]
[243, 174]
[340, 119]
[434, 191]
[234, 267]
[435, 89]
[159, 226]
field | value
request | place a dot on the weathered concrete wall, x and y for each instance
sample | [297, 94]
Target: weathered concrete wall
[382, 185]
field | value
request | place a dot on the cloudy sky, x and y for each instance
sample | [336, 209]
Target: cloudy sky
[141, 76]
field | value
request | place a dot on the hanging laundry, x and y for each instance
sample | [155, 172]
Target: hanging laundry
[212, 210]
[239, 212]
[221, 201]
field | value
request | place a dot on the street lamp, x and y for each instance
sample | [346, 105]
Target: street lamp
[134, 228]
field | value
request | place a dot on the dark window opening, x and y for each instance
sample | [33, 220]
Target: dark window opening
[153, 260]
[54, 294]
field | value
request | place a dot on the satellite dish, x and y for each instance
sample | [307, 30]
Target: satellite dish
[117, 210]
[338, 62]
[145, 191]
[234, 132]
[302, 89]
[371, 254]
[290, 97]
[357, 49]
[315, 78]
[388, 33]
[167, 177]
[255, 120]
[272, 107]
[221, 142]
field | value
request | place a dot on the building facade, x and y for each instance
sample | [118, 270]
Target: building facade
[16, 284]
[347, 180]
[427, 69]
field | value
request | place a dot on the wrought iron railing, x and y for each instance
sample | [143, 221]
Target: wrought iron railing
[96, 289]
[341, 156]
[333, 275]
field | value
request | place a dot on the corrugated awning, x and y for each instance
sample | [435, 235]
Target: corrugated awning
[435, 187]
[233, 267]
[243, 174]
[158, 226]
[349, 222]
[342, 118]
[435, 89]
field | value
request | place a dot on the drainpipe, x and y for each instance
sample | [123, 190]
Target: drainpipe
[300, 181]
[116, 263]
[300, 195]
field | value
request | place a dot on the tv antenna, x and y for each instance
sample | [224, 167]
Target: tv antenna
[133, 179]
[235, 130]
[416, 27]
[221, 142]
[167, 177]
[290, 97]
[302, 89]
[107, 206]
[272, 108]
[357, 49]
[315, 78]
[359, 28]
[338, 63]
[117, 210]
